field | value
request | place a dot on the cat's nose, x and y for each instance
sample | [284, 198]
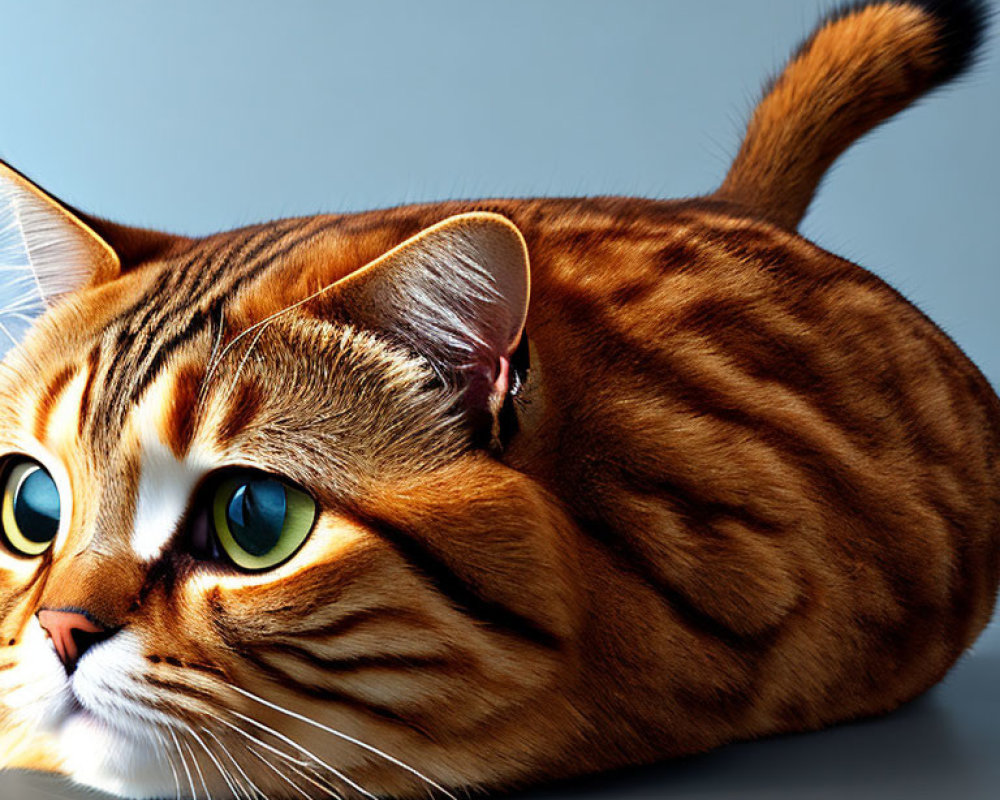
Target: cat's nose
[72, 634]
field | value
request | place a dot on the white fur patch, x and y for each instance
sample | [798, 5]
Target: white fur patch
[165, 486]
[38, 675]
[165, 482]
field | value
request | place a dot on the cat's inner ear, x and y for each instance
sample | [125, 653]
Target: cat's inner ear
[46, 252]
[456, 292]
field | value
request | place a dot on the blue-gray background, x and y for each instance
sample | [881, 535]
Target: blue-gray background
[202, 115]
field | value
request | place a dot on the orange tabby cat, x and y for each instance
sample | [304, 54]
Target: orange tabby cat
[326, 505]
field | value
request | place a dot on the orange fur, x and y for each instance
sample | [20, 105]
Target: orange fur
[751, 489]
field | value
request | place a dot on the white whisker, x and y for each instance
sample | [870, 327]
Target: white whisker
[187, 771]
[264, 323]
[197, 766]
[318, 781]
[212, 357]
[288, 740]
[309, 754]
[346, 738]
[243, 361]
[165, 755]
[222, 772]
[278, 772]
[236, 763]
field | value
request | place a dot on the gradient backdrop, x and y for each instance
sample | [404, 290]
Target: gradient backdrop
[201, 115]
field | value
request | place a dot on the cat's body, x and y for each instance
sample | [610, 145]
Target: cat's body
[729, 485]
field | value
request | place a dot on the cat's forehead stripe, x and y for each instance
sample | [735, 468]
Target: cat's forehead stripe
[93, 364]
[241, 410]
[191, 300]
[187, 299]
[180, 414]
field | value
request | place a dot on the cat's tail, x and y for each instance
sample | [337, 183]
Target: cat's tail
[863, 64]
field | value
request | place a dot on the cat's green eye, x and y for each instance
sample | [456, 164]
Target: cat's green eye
[261, 521]
[30, 511]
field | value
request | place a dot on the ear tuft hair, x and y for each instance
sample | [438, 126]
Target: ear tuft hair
[456, 292]
[45, 254]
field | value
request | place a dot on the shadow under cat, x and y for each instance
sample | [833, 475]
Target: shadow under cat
[942, 744]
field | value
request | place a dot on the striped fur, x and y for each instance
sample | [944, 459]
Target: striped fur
[748, 489]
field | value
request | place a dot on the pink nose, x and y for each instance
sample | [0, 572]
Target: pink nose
[71, 632]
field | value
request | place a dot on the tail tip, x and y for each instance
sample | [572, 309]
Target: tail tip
[963, 30]
[963, 26]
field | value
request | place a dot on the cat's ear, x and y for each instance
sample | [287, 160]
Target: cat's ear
[46, 252]
[456, 292]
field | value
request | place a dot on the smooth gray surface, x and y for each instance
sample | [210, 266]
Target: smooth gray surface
[197, 116]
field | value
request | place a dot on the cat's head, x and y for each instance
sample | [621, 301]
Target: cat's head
[253, 533]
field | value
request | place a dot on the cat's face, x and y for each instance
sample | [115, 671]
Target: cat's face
[249, 540]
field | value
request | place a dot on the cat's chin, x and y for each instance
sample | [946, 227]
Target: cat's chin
[106, 757]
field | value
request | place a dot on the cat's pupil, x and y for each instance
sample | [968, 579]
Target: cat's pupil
[36, 506]
[256, 515]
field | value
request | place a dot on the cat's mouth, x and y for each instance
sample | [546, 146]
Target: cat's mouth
[113, 751]
[107, 738]
[75, 709]
[101, 705]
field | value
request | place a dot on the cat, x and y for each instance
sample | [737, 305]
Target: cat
[326, 505]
